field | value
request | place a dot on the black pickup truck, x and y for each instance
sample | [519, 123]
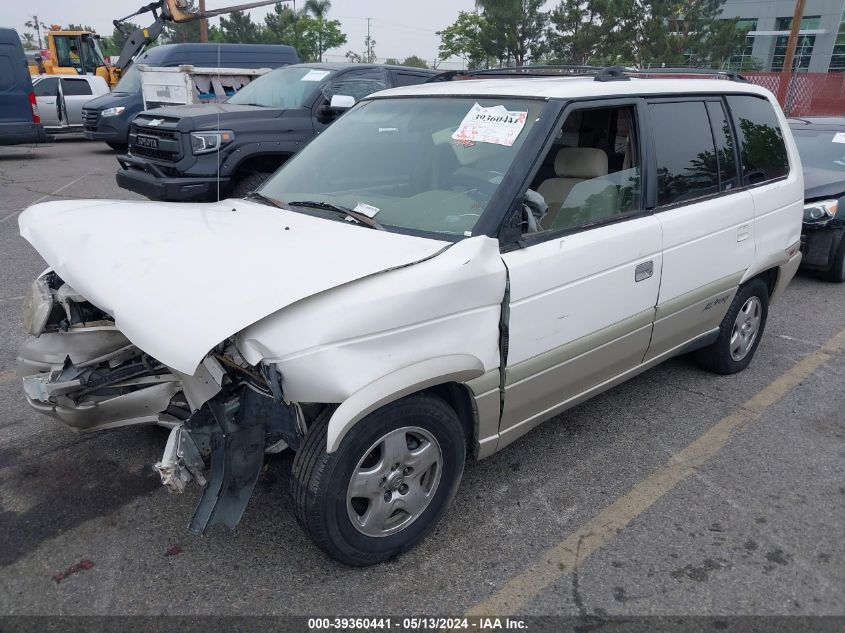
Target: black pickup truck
[214, 151]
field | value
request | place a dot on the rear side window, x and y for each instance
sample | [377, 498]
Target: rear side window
[407, 79]
[762, 150]
[685, 152]
[75, 87]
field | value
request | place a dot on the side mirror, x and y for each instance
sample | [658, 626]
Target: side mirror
[337, 106]
[342, 102]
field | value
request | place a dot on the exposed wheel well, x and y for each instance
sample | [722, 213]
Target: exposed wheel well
[769, 276]
[266, 163]
[458, 397]
[454, 394]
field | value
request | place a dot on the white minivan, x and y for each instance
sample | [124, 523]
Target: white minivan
[444, 268]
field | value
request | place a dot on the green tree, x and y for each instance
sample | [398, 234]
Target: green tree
[513, 31]
[27, 40]
[463, 39]
[239, 28]
[36, 24]
[327, 34]
[317, 36]
[279, 25]
[584, 32]
[415, 61]
[184, 32]
[691, 33]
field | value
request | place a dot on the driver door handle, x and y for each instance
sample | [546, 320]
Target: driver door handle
[644, 271]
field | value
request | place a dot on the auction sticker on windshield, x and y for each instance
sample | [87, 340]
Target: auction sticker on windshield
[315, 75]
[495, 124]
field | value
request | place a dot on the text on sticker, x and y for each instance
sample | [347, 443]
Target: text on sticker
[495, 124]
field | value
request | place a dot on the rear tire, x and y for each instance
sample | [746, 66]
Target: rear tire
[249, 183]
[836, 274]
[740, 331]
[356, 504]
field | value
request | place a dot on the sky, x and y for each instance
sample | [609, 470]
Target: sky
[399, 27]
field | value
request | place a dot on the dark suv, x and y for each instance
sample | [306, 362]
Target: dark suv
[209, 152]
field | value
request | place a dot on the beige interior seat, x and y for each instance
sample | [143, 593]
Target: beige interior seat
[572, 166]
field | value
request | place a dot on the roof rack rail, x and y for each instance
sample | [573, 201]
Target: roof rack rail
[599, 73]
[727, 74]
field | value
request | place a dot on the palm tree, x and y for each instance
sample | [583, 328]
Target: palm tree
[319, 9]
[36, 24]
[28, 40]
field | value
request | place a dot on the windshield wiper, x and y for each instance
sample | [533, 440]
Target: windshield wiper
[328, 206]
[255, 195]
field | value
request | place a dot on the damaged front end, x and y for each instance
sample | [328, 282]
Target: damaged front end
[78, 368]
[244, 417]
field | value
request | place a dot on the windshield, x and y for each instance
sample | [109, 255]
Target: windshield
[130, 81]
[427, 164]
[821, 149]
[289, 87]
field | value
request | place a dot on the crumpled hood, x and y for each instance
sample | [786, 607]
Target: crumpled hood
[823, 183]
[181, 278]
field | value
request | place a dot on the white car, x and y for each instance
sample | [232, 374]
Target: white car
[444, 268]
[60, 99]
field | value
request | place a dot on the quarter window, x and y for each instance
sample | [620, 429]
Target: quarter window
[762, 150]
[685, 152]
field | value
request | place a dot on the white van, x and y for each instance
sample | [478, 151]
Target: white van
[435, 274]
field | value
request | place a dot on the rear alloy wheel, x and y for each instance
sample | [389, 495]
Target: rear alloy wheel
[740, 331]
[388, 484]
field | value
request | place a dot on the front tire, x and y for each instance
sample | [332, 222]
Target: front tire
[739, 332]
[249, 183]
[388, 484]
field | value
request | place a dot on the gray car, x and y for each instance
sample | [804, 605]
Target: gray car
[60, 99]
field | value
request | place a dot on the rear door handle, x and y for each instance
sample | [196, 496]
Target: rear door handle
[644, 271]
[743, 233]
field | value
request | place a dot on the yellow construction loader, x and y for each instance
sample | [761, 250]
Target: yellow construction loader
[70, 52]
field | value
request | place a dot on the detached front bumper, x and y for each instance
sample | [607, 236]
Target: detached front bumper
[820, 243]
[148, 180]
[92, 380]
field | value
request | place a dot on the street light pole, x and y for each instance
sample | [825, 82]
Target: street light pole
[786, 71]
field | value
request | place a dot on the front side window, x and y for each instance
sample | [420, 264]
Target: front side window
[762, 150]
[425, 164]
[47, 87]
[356, 85]
[685, 153]
[288, 87]
[590, 175]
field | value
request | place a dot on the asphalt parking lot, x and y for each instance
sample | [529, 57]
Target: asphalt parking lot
[679, 492]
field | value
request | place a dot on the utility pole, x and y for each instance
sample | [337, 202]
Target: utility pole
[203, 23]
[369, 44]
[786, 72]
